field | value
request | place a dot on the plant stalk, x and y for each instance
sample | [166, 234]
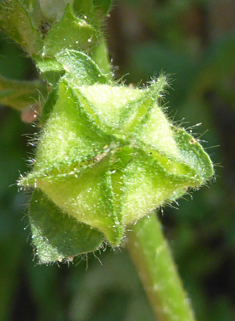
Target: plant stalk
[151, 255]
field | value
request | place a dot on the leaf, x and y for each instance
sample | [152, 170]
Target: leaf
[80, 68]
[56, 235]
[20, 94]
[50, 70]
[193, 154]
[17, 23]
[70, 32]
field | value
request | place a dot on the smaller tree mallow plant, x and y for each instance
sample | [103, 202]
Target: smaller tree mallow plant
[107, 155]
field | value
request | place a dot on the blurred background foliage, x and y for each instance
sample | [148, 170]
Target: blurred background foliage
[193, 41]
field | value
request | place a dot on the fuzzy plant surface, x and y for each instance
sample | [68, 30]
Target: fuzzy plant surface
[107, 154]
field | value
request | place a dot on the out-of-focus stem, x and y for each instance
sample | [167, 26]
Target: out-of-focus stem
[150, 253]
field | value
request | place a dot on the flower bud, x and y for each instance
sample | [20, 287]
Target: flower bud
[108, 155]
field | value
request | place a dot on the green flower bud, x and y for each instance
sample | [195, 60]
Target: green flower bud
[108, 155]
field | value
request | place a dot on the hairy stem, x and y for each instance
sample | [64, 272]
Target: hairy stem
[150, 253]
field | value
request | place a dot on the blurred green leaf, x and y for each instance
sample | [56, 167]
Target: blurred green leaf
[17, 23]
[20, 94]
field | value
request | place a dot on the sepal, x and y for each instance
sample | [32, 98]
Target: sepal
[56, 235]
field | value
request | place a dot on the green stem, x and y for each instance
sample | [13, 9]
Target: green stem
[150, 253]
